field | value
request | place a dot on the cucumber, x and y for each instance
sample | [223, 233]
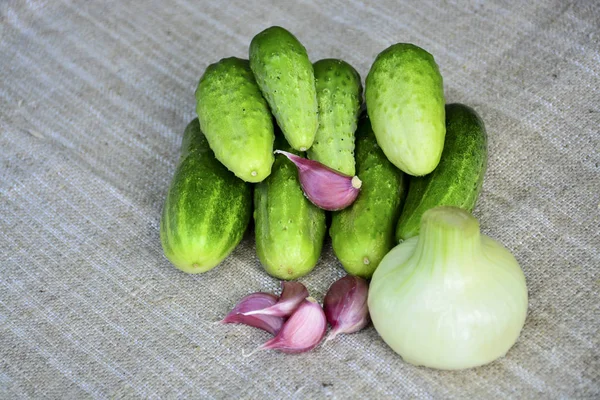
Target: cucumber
[286, 78]
[236, 119]
[364, 232]
[405, 101]
[207, 208]
[339, 96]
[458, 178]
[289, 229]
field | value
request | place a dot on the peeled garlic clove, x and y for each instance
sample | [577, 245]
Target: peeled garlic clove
[252, 302]
[325, 187]
[345, 305]
[292, 295]
[303, 331]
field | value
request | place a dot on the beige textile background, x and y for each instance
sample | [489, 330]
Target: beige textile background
[94, 97]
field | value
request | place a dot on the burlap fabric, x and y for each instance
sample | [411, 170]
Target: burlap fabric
[94, 97]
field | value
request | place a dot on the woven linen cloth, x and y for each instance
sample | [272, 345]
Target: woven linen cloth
[94, 98]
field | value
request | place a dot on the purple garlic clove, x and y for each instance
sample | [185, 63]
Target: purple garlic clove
[303, 331]
[253, 302]
[345, 305]
[292, 295]
[323, 186]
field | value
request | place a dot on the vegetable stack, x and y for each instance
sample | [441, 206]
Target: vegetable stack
[398, 183]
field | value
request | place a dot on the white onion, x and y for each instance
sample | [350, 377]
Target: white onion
[450, 298]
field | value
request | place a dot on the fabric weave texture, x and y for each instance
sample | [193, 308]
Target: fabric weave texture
[94, 98]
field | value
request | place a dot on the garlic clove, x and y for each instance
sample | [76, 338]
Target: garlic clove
[323, 186]
[292, 295]
[345, 305]
[303, 331]
[252, 302]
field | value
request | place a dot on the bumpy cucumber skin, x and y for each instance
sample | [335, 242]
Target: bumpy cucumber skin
[339, 96]
[289, 229]
[405, 101]
[207, 208]
[458, 178]
[236, 119]
[363, 233]
[286, 78]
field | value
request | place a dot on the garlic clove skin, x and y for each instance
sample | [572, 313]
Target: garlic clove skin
[323, 186]
[345, 306]
[252, 302]
[449, 298]
[292, 295]
[303, 331]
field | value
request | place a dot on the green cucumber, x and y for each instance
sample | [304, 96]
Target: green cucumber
[286, 78]
[236, 119]
[207, 208]
[339, 96]
[405, 101]
[289, 229]
[458, 178]
[363, 233]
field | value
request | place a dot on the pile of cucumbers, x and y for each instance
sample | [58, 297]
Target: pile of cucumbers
[411, 151]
